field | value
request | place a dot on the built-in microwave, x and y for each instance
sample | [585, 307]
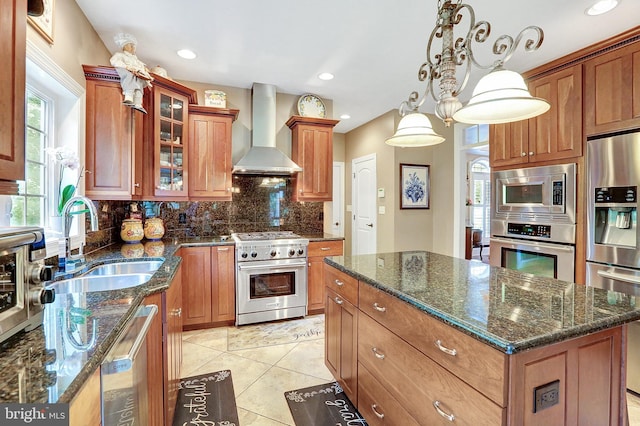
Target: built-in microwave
[534, 193]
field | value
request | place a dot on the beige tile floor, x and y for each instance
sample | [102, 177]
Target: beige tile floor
[262, 371]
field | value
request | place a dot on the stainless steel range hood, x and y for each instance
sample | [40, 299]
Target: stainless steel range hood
[263, 157]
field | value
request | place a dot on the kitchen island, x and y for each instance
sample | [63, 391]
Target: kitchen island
[439, 339]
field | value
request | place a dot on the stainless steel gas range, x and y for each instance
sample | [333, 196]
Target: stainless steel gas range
[271, 276]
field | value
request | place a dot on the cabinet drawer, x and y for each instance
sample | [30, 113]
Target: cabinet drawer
[481, 366]
[345, 285]
[377, 405]
[325, 248]
[419, 382]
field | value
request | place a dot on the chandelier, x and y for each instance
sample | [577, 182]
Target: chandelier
[501, 96]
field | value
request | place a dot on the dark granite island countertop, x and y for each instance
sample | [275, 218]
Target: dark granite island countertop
[505, 309]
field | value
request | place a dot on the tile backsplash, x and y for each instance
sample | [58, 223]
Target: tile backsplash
[258, 204]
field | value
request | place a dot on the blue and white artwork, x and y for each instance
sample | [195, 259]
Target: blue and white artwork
[414, 187]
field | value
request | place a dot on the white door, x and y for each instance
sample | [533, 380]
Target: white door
[337, 208]
[363, 194]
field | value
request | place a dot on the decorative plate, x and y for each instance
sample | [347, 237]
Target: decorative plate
[311, 106]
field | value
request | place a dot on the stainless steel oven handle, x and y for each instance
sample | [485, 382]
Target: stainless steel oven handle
[559, 247]
[274, 266]
[619, 277]
[123, 363]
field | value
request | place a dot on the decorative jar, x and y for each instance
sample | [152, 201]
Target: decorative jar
[153, 228]
[154, 248]
[131, 231]
[134, 249]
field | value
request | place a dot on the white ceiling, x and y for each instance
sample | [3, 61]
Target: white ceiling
[374, 47]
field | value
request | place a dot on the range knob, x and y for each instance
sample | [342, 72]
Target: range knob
[292, 252]
[244, 255]
[300, 252]
[43, 296]
[254, 254]
[40, 273]
[273, 253]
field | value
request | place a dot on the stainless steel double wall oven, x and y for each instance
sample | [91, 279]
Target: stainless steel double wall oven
[533, 220]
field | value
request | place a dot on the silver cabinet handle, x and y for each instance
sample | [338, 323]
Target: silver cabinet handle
[379, 308]
[325, 248]
[309, 264]
[339, 283]
[377, 353]
[136, 185]
[374, 408]
[448, 351]
[531, 153]
[444, 414]
[524, 154]
[339, 301]
[223, 248]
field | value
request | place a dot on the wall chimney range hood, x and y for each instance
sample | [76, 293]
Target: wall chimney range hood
[263, 158]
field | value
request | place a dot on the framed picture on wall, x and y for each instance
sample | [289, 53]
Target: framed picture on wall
[414, 186]
[43, 24]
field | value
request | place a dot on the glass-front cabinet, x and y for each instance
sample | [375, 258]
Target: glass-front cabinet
[170, 131]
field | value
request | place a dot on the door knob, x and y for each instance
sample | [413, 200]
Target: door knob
[370, 225]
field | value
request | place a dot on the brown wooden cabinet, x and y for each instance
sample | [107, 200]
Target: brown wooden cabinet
[612, 91]
[208, 286]
[114, 139]
[556, 134]
[164, 353]
[341, 325]
[210, 152]
[316, 253]
[13, 36]
[84, 409]
[312, 149]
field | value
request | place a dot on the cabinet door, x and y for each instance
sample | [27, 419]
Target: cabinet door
[196, 285]
[13, 34]
[315, 156]
[169, 135]
[341, 343]
[210, 154]
[557, 133]
[508, 143]
[85, 406]
[315, 285]
[155, 362]
[223, 284]
[173, 346]
[612, 91]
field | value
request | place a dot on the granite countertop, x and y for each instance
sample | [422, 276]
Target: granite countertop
[506, 309]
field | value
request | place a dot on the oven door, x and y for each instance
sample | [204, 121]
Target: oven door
[533, 257]
[265, 288]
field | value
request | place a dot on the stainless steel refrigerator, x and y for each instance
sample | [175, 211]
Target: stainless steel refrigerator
[613, 252]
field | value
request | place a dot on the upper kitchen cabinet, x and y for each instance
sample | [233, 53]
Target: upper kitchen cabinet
[556, 134]
[312, 149]
[114, 139]
[612, 91]
[13, 36]
[210, 152]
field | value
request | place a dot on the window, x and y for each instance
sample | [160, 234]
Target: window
[480, 186]
[476, 134]
[31, 207]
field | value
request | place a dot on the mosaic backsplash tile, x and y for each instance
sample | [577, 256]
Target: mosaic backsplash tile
[258, 204]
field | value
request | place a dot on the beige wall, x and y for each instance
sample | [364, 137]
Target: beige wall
[398, 229]
[75, 42]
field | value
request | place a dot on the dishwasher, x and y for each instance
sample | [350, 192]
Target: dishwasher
[123, 374]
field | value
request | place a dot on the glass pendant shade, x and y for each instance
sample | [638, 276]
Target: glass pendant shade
[414, 130]
[501, 97]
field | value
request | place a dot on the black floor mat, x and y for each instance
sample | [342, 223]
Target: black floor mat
[322, 405]
[207, 399]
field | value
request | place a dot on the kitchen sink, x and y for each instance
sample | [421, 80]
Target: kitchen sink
[119, 268]
[87, 284]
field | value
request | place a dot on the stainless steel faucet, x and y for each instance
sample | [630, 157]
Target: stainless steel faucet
[67, 219]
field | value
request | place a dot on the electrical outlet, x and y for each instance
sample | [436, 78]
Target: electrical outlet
[546, 396]
[182, 218]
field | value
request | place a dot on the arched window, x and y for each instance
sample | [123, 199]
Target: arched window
[480, 195]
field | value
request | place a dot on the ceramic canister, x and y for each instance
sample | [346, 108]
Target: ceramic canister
[153, 228]
[131, 231]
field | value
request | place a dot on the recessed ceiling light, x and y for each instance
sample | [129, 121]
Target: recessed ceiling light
[186, 54]
[345, 116]
[325, 76]
[602, 6]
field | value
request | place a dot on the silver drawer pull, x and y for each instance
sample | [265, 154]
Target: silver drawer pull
[451, 352]
[325, 248]
[339, 301]
[374, 407]
[377, 353]
[447, 416]
[378, 307]
[339, 283]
